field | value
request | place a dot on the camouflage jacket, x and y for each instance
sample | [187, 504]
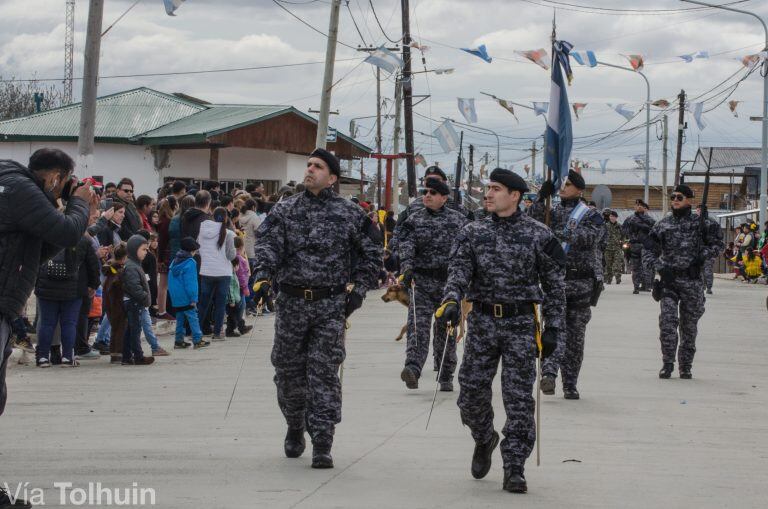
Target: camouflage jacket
[615, 236]
[415, 205]
[583, 241]
[637, 227]
[509, 260]
[426, 238]
[317, 241]
[676, 242]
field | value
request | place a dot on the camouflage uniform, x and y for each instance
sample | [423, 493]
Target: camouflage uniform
[614, 253]
[418, 204]
[677, 251]
[425, 242]
[513, 260]
[708, 269]
[636, 229]
[580, 278]
[313, 242]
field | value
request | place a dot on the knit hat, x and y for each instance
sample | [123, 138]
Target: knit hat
[189, 244]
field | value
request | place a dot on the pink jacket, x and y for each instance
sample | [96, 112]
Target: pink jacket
[243, 273]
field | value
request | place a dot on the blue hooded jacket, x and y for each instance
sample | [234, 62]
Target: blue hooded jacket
[182, 280]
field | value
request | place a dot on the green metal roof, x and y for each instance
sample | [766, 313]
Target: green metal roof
[118, 116]
[211, 121]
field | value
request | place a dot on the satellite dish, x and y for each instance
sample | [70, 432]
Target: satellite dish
[602, 196]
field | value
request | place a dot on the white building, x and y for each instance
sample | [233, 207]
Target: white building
[152, 137]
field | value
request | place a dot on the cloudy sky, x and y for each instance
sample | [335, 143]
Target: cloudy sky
[219, 34]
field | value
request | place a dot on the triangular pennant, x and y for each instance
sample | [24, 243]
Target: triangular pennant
[540, 108]
[636, 61]
[621, 110]
[732, 106]
[479, 52]
[507, 106]
[585, 58]
[603, 165]
[577, 107]
[661, 103]
[467, 109]
[537, 56]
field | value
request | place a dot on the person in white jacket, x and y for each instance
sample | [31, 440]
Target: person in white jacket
[217, 250]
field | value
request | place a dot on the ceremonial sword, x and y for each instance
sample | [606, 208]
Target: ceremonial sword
[448, 336]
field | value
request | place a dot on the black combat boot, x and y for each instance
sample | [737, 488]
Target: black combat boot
[608, 281]
[321, 456]
[481, 459]
[446, 386]
[548, 385]
[636, 291]
[294, 442]
[666, 370]
[570, 392]
[685, 372]
[514, 480]
[618, 280]
[409, 376]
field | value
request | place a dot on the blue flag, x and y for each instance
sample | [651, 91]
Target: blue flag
[172, 5]
[559, 127]
[480, 51]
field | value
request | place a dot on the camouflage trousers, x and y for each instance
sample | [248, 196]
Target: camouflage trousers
[642, 274]
[614, 265]
[429, 292]
[708, 273]
[512, 341]
[682, 304]
[307, 353]
[569, 353]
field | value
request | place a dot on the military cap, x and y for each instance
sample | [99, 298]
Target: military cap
[577, 180]
[684, 190]
[640, 201]
[434, 171]
[331, 160]
[508, 179]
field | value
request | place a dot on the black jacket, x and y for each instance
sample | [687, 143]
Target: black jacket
[82, 270]
[104, 231]
[191, 221]
[132, 222]
[32, 230]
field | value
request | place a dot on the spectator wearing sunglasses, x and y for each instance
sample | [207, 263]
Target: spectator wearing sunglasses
[125, 195]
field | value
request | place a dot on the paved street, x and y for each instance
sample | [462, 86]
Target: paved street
[631, 441]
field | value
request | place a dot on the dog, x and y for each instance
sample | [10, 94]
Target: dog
[398, 293]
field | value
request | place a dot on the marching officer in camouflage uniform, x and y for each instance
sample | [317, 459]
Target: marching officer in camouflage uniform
[312, 245]
[433, 172]
[708, 269]
[679, 248]
[505, 264]
[636, 228]
[425, 243]
[578, 228]
[614, 251]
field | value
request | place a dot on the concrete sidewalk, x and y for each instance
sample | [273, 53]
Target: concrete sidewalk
[631, 441]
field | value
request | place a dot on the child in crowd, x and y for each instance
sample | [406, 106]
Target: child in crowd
[239, 292]
[149, 265]
[183, 287]
[135, 299]
[112, 329]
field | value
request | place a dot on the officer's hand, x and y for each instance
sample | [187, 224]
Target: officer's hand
[448, 312]
[548, 342]
[354, 301]
[547, 190]
[701, 257]
[406, 278]
[261, 289]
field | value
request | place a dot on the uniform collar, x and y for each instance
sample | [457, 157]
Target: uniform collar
[680, 213]
[323, 195]
[514, 218]
[569, 202]
[435, 212]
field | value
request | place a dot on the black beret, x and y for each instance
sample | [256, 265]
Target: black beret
[331, 160]
[684, 190]
[614, 213]
[438, 185]
[577, 180]
[508, 179]
[189, 244]
[640, 201]
[434, 170]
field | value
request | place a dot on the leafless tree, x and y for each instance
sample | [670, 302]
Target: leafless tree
[17, 98]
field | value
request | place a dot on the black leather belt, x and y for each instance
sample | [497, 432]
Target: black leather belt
[573, 274]
[312, 294]
[439, 273]
[503, 309]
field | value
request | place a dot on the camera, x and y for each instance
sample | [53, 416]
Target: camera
[74, 183]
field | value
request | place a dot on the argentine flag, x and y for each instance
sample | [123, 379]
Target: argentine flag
[385, 59]
[172, 5]
[559, 127]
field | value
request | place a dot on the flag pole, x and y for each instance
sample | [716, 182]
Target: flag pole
[549, 170]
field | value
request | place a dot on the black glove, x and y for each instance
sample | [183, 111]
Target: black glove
[406, 278]
[667, 274]
[701, 258]
[354, 301]
[548, 342]
[448, 312]
[547, 190]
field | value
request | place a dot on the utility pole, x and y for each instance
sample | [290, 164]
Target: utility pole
[408, 98]
[471, 170]
[90, 82]
[396, 146]
[533, 160]
[378, 135]
[330, 58]
[680, 132]
[664, 194]
[69, 51]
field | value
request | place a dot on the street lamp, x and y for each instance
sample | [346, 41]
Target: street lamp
[647, 121]
[764, 158]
